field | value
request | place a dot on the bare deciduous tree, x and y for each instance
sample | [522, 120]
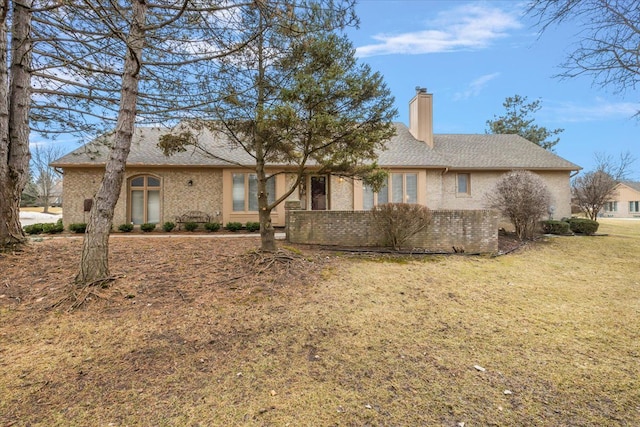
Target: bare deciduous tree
[608, 42]
[591, 190]
[45, 177]
[523, 198]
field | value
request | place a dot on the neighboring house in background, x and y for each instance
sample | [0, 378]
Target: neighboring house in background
[56, 194]
[625, 203]
[451, 171]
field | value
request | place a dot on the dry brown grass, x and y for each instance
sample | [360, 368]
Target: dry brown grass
[374, 342]
[39, 209]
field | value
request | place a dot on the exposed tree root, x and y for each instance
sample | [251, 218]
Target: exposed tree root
[82, 295]
[279, 267]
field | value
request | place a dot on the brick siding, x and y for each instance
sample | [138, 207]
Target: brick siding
[177, 196]
[471, 231]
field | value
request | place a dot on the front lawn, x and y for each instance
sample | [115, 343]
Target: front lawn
[195, 332]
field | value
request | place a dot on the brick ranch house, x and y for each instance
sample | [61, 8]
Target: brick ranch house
[443, 172]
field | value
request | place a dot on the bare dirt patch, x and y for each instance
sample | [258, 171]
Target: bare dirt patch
[155, 271]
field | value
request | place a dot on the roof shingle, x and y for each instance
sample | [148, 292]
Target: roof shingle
[481, 151]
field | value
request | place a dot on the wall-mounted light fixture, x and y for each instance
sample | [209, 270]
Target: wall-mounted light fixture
[190, 183]
[341, 179]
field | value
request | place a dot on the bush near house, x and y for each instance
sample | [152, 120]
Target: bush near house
[583, 226]
[168, 226]
[212, 226]
[125, 228]
[33, 228]
[147, 227]
[398, 222]
[78, 227]
[252, 226]
[233, 226]
[190, 226]
[51, 228]
[47, 228]
[523, 198]
[555, 227]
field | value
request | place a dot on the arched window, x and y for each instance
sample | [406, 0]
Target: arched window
[144, 196]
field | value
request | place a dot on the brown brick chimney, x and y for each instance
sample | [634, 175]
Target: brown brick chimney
[421, 116]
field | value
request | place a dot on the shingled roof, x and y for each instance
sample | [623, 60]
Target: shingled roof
[480, 151]
[491, 151]
[632, 184]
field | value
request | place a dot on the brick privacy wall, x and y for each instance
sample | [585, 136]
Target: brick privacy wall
[473, 231]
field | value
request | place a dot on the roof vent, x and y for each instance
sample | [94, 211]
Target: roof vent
[421, 89]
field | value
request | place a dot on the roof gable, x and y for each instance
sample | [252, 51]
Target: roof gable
[634, 185]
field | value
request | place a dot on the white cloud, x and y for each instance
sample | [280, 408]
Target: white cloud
[475, 87]
[599, 109]
[466, 27]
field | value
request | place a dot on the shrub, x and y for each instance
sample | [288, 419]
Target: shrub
[52, 228]
[125, 228]
[233, 226]
[523, 198]
[583, 226]
[555, 227]
[168, 226]
[33, 228]
[212, 226]
[78, 227]
[147, 227]
[190, 226]
[252, 226]
[397, 222]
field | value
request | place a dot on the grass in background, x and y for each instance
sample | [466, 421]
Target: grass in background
[40, 209]
[555, 328]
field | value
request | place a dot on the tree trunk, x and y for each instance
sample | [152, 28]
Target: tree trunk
[94, 264]
[267, 232]
[15, 101]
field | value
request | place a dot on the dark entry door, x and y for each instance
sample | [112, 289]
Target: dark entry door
[319, 193]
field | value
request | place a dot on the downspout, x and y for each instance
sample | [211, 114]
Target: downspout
[442, 196]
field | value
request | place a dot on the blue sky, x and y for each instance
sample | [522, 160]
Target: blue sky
[473, 54]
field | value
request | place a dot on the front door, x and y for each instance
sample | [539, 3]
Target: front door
[319, 193]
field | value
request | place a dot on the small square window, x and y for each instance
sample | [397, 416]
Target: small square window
[464, 183]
